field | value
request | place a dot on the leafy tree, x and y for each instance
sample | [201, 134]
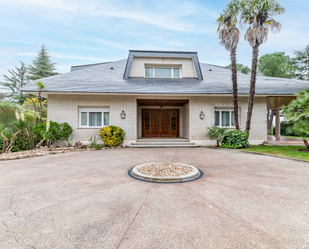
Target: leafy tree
[297, 111]
[14, 82]
[42, 66]
[301, 63]
[259, 15]
[243, 69]
[216, 133]
[276, 65]
[229, 38]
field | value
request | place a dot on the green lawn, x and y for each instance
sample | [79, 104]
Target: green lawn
[289, 151]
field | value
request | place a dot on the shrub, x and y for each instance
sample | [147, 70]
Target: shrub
[21, 143]
[216, 133]
[58, 131]
[112, 135]
[97, 146]
[93, 141]
[235, 139]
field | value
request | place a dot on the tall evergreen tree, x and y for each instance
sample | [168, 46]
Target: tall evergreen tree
[41, 66]
[301, 63]
[14, 82]
[243, 69]
[276, 65]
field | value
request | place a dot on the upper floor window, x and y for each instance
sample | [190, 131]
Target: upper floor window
[162, 72]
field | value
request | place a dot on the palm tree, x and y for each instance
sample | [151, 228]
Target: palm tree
[45, 136]
[41, 86]
[229, 38]
[259, 15]
[20, 125]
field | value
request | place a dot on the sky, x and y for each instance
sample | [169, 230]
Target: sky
[79, 32]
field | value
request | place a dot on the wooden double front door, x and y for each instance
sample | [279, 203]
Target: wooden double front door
[160, 123]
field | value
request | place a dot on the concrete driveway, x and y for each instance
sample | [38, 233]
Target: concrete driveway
[87, 200]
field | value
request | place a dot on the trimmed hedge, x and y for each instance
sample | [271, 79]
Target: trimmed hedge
[235, 139]
[112, 135]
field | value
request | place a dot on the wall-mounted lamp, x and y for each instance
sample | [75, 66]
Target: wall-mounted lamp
[202, 115]
[123, 115]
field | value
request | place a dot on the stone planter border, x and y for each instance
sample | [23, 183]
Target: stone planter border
[194, 175]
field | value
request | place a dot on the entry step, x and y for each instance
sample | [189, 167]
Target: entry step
[163, 146]
[162, 140]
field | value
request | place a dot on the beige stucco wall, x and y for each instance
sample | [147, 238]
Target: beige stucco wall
[65, 108]
[186, 64]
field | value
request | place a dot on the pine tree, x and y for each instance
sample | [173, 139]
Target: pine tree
[42, 66]
[301, 63]
[15, 82]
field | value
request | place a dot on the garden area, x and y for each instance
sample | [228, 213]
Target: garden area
[296, 125]
[299, 152]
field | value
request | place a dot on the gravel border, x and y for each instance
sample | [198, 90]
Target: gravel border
[201, 174]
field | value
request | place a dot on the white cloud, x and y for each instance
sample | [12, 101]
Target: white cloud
[172, 15]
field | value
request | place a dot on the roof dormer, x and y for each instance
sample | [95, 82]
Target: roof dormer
[160, 64]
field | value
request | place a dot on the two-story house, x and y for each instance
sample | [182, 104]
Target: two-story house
[158, 95]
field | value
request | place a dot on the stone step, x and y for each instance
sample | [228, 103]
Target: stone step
[163, 143]
[162, 140]
[162, 146]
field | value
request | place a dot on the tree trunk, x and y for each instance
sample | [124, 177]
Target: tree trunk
[39, 144]
[5, 142]
[29, 138]
[9, 148]
[255, 55]
[306, 144]
[235, 90]
[218, 145]
[270, 118]
[272, 114]
[33, 103]
[40, 98]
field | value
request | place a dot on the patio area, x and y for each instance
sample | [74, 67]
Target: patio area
[87, 200]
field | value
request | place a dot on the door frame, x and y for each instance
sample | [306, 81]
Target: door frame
[153, 109]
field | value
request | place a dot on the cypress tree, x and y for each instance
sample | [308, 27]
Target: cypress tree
[14, 82]
[41, 66]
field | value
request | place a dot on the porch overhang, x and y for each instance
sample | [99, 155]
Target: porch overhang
[162, 102]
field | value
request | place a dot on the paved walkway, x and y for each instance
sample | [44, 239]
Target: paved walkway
[285, 140]
[86, 200]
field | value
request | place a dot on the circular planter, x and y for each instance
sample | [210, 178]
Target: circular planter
[195, 174]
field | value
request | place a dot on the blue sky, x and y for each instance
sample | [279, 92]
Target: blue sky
[80, 32]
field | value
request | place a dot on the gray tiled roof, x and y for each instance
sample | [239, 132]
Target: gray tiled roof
[100, 78]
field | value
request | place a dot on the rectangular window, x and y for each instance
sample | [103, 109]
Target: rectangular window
[176, 72]
[106, 118]
[224, 117]
[149, 72]
[162, 72]
[217, 118]
[94, 117]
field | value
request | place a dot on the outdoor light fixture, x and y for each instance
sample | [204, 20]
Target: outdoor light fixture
[123, 115]
[161, 107]
[202, 115]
